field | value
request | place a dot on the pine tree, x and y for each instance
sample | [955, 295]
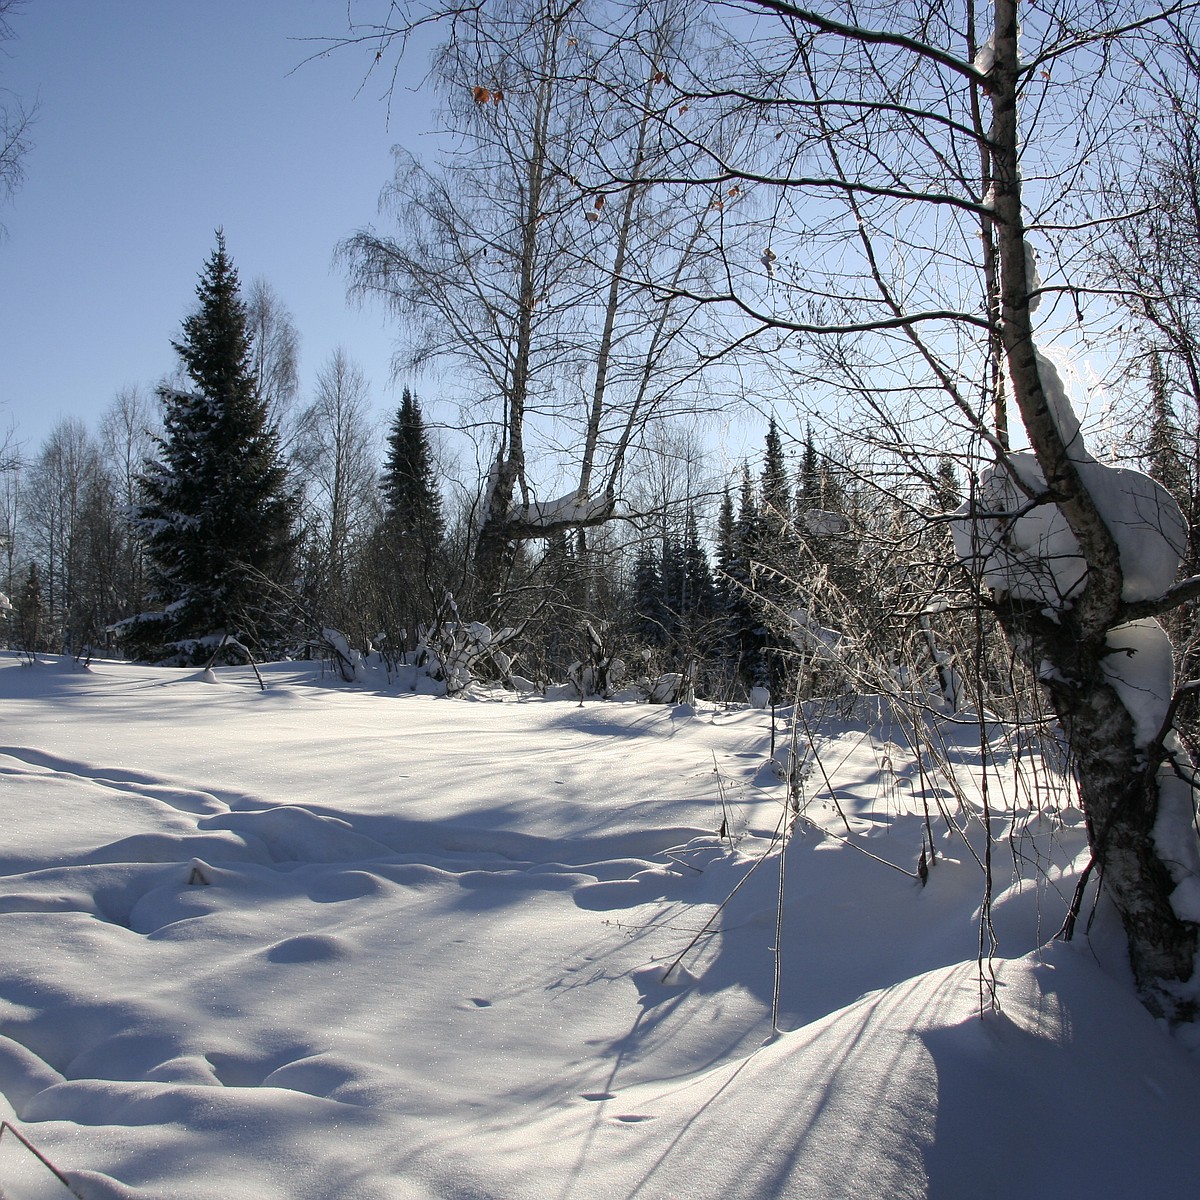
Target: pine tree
[215, 512]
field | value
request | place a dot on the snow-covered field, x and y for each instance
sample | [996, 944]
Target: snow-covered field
[323, 942]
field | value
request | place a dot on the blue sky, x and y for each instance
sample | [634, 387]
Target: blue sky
[159, 120]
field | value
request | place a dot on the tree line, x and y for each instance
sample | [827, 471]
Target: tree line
[225, 520]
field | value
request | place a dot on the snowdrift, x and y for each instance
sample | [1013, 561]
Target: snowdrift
[320, 942]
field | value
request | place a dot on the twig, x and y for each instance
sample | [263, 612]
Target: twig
[5, 1127]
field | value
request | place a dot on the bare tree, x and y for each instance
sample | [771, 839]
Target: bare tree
[1153, 262]
[881, 177]
[15, 123]
[916, 157]
[68, 521]
[333, 458]
[514, 268]
[127, 430]
[274, 352]
[10, 510]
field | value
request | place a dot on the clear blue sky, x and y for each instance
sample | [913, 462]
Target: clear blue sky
[159, 120]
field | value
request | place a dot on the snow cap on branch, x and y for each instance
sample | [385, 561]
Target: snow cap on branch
[1018, 540]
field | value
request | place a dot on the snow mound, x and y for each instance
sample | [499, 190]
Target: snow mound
[1141, 669]
[890, 1096]
[293, 834]
[423, 954]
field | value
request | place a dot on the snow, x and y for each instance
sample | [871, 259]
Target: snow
[1033, 281]
[1023, 545]
[1141, 668]
[820, 523]
[331, 941]
[571, 509]
[809, 634]
[985, 56]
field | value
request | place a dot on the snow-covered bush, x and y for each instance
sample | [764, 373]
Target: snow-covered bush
[457, 653]
[600, 672]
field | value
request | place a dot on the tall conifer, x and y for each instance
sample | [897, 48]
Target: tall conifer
[408, 485]
[411, 538]
[215, 514]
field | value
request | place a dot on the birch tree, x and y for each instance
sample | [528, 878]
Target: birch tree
[512, 266]
[334, 459]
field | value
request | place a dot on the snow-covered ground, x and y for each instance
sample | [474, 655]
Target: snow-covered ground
[330, 942]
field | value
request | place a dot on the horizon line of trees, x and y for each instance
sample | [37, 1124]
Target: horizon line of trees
[102, 553]
[724, 589]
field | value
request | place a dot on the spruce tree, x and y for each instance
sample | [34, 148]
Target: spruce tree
[1166, 459]
[650, 618]
[411, 538]
[946, 493]
[701, 629]
[701, 598]
[215, 512]
[408, 485]
[746, 617]
[674, 585]
[727, 598]
[776, 550]
[808, 494]
[775, 490]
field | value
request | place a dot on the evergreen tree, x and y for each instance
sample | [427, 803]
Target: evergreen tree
[412, 536]
[701, 625]
[727, 592]
[727, 551]
[777, 552]
[1165, 458]
[809, 493]
[946, 493]
[29, 614]
[774, 489]
[777, 532]
[649, 623]
[745, 616]
[700, 591]
[215, 512]
[674, 586]
[408, 485]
